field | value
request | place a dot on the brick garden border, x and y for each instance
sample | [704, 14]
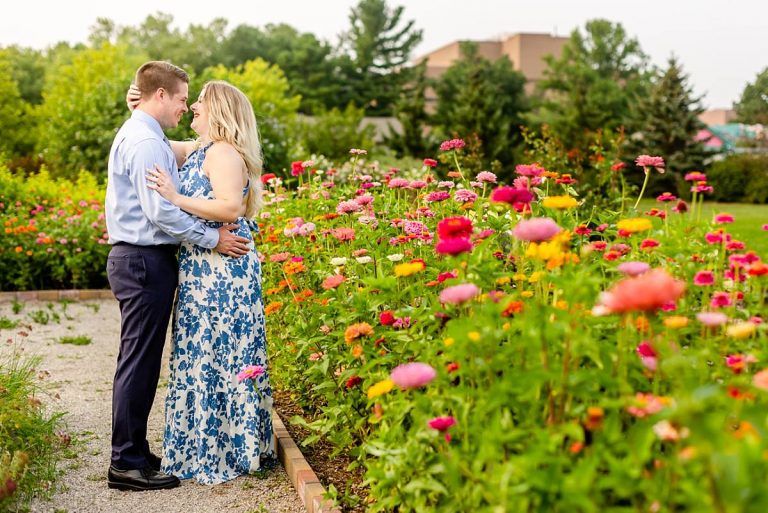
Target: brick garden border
[303, 478]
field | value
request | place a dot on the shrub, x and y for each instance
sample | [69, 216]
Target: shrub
[29, 435]
[740, 178]
[54, 233]
[333, 132]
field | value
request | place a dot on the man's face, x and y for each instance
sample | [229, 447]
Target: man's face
[175, 105]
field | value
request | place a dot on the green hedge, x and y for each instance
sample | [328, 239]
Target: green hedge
[740, 178]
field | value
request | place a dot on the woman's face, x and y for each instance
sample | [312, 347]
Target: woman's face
[200, 115]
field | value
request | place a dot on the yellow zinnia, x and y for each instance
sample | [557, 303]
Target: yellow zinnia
[380, 388]
[676, 321]
[408, 269]
[741, 330]
[634, 225]
[560, 202]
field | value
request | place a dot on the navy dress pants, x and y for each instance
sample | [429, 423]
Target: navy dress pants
[143, 279]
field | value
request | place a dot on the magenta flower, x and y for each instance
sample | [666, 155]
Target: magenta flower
[453, 144]
[536, 229]
[704, 278]
[695, 176]
[417, 184]
[633, 268]
[398, 183]
[765, 227]
[720, 300]
[412, 375]
[529, 170]
[511, 195]
[667, 196]
[437, 196]
[454, 246]
[712, 318]
[459, 293]
[430, 162]
[442, 423]
[647, 355]
[724, 218]
[250, 372]
[649, 161]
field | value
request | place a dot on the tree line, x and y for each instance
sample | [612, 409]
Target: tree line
[62, 104]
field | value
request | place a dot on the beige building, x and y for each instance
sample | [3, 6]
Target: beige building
[526, 51]
[717, 116]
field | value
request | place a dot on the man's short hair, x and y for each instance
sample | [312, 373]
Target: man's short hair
[154, 75]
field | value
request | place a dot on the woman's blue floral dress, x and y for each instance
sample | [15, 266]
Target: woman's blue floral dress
[217, 428]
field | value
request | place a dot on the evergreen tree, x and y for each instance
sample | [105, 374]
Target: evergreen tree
[593, 84]
[482, 98]
[410, 111]
[667, 125]
[379, 47]
[753, 105]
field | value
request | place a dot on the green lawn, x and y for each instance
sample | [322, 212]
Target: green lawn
[748, 226]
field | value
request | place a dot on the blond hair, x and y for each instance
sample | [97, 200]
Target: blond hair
[231, 120]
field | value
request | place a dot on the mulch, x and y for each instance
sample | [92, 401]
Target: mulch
[330, 470]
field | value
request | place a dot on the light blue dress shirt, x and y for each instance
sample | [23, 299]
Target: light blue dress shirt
[135, 213]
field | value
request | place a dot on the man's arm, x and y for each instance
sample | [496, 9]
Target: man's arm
[161, 212]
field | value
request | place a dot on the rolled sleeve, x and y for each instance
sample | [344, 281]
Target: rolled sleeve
[162, 213]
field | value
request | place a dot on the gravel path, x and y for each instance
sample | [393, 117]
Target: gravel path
[82, 376]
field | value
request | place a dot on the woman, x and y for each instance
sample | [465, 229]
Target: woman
[219, 402]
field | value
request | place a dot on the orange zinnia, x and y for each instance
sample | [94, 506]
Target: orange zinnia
[356, 331]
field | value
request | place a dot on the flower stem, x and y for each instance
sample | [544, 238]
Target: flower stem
[642, 190]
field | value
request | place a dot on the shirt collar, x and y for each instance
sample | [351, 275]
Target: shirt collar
[148, 120]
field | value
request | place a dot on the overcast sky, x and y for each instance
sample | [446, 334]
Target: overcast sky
[721, 44]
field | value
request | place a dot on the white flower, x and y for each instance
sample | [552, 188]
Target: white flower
[338, 261]
[396, 257]
[364, 260]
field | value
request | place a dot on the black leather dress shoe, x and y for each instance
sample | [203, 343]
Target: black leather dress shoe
[154, 461]
[140, 479]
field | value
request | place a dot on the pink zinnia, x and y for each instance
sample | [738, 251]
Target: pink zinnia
[765, 227]
[645, 404]
[331, 282]
[704, 278]
[347, 207]
[536, 229]
[529, 170]
[437, 196]
[724, 218]
[511, 195]
[720, 300]
[343, 234]
[459, 293]
[412, 375]
[464, 196]
[760, 379]
[453, 246]
[649, 291]
[453, 144]
[486, 177]
[442, 423]
[250, 372]
[633, 268]
[398, 183]
[417, 184]
[430, 162]
[712, 318]
[650, 161]
[667, 196]
[695, 176]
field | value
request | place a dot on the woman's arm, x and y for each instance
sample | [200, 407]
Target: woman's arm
[180, 148]
[225, 169]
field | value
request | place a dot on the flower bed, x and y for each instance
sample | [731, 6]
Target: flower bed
[54, 233]
[488, 348]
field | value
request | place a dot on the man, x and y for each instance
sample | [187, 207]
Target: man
[145, 230]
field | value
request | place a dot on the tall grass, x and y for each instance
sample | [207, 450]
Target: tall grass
[30, 440]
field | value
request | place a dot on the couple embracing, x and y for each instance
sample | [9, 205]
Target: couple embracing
[178, 215]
